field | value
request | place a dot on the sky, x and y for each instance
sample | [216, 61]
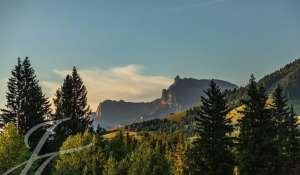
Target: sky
[132, 49]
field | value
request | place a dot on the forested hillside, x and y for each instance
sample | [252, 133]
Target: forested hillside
[259, 137]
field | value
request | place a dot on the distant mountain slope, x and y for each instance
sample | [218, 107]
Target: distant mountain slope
[181, 95]
[288, 77]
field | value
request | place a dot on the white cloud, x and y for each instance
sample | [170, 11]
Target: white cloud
[3, 82]
[119, 83]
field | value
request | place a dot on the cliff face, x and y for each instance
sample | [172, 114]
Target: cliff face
[181, 95]
[113, 113]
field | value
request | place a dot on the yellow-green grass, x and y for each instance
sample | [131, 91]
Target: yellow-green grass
[115, 132]
[177, 117]
[235, 115]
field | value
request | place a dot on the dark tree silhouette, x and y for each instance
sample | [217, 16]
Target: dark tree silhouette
[71, 102]
[211, 153]
[26, 104]
[257, 134]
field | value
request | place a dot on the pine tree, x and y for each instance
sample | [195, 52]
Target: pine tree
[280, 114]
[211, 152]
[35, 105]
[81, 109]
[12, 113]
[257, 134]
[26, 104]
[292, 143]
[71, 102]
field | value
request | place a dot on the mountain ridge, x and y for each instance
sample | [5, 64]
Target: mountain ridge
[288, 77]
[183, 94]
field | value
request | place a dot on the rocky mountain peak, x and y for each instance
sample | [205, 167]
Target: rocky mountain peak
[182, 94]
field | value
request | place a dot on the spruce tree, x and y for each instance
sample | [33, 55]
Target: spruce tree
[26, 104]
[36, 106]
[81, 109]
[211, 152]
[12, 113]
[71, 102]
[257, 134]
[280, 114]
[292, 145]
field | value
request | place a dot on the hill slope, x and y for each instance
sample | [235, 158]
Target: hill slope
[288, 77]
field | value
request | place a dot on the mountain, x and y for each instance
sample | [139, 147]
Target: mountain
[289, 79]
[181, 95]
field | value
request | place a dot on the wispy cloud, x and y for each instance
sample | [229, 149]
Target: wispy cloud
[3, 82]
[126, 83]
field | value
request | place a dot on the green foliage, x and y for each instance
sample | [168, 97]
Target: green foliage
[195, 142]
[211, 152]
[118, 148]
[155, 125]
[280, 114]
[111, 167]
[90, 160]
[12, 148]
[71, 102]
[178, 159]
[287, 77]
[147, 161]
[257, 150]
[26, 105]
[292, 145]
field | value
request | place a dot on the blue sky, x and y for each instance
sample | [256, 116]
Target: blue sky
[151, 40]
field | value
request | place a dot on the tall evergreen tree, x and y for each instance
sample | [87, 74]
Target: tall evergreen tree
[81, 109]
[71, 102]
[211, 152]
[35, 105]
[257, 134]
[280, 114]
[12, 113]
[292, 145]
[26, 104]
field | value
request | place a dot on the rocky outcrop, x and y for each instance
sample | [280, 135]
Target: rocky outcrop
[181, 95]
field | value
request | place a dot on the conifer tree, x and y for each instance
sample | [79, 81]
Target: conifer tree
[12, 113]
[211, 152]
[26, 104]
[257, 134]
[146, 161]
[35, 105]
[71, 102]
[280, 114]
[292, 143]
[81, 109]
